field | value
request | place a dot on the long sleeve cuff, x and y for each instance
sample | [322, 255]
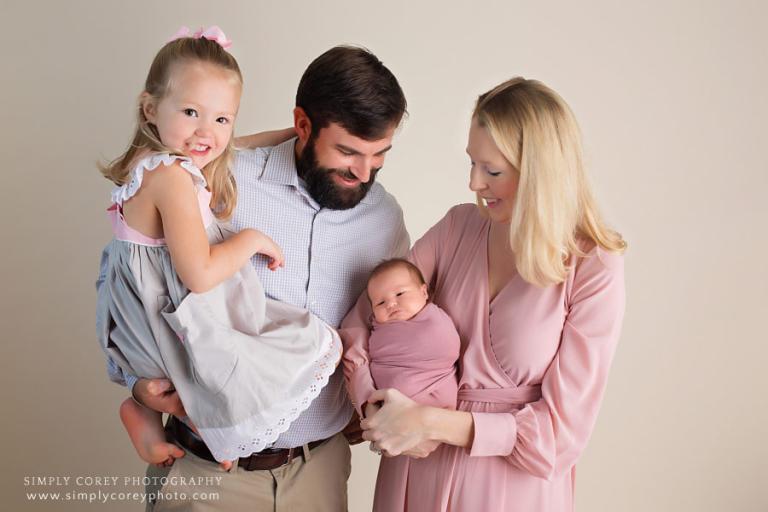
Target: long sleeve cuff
[130, 381]
[360, 388]
[495, 434]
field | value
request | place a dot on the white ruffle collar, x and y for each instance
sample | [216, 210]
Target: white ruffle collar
[150, 162]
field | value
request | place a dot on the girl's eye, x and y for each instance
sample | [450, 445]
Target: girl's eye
[222, 120]
[380, 304]
[190, 112]
[492, 173]
[400, 293]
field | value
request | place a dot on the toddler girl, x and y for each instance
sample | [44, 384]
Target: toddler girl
[413, 347]
[180, 299]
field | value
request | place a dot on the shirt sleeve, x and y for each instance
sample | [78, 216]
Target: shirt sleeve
[402, 240]
[114, 372]
[546, 437]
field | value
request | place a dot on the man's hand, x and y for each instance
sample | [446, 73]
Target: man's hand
[352, 431]
[158, 395]
[370, 409]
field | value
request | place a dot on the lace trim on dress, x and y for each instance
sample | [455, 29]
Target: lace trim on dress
[252, 435]
[149, 163]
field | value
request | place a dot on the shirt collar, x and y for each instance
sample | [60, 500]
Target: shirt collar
[281, 165]
[281, 169]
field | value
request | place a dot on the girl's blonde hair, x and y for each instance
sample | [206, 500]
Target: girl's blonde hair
[146, 138]
[554, 207]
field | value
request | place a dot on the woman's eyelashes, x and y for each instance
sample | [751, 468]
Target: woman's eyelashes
[486, 169]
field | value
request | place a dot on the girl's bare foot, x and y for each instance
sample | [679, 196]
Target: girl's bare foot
[145, 429]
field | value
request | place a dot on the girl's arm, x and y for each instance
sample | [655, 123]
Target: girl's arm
[200, 266]
[264, 139]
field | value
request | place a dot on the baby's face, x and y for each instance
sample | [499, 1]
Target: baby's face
[396, 295]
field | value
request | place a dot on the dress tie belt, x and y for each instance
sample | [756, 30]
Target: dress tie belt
[520, 395]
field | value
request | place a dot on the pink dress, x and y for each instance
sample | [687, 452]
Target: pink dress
[532, 372]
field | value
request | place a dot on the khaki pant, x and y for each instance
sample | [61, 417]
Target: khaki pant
[317, 484]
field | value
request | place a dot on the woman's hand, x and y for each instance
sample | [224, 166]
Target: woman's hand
[422, 450]
[399, 426]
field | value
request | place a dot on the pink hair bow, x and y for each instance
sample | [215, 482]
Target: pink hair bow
[212, 33]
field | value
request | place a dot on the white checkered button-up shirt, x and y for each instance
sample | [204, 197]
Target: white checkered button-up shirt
[328, 256]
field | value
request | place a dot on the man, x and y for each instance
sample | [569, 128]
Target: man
[316, 196]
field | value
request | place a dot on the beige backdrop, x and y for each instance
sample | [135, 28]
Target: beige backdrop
[671, 97]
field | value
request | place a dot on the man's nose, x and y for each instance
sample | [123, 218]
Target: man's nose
[362, 168]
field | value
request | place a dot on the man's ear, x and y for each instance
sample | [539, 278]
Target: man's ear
[302, 125]
[148, 106]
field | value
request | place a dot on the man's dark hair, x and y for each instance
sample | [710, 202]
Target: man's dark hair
[352, 87]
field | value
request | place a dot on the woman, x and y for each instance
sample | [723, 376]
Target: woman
[533, 280]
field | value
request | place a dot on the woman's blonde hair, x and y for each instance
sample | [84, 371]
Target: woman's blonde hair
[554, 207]
[146, 138]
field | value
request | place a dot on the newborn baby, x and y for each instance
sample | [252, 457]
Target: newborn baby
[413, 345]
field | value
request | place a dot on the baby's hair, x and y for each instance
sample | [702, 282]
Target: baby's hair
[146, 137]
[389, 264]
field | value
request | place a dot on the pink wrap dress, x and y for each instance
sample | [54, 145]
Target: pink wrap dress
[533, 369]
[418, 358]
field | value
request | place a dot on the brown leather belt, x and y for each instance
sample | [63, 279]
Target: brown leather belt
[176, 431]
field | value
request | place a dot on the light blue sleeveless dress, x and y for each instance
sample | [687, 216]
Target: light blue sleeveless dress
[244, 366]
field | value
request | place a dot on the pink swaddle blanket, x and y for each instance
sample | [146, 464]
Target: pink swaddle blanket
[417, 357]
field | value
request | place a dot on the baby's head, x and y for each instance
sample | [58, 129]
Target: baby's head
[397, 290]
[188, 107]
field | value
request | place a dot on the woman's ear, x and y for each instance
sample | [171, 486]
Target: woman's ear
[148, 106]
[302, 124]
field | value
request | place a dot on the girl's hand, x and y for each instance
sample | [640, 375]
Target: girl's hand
[272, 251]
[399, 426]
[262, 244]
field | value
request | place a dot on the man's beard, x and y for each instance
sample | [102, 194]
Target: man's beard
[321, 186]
